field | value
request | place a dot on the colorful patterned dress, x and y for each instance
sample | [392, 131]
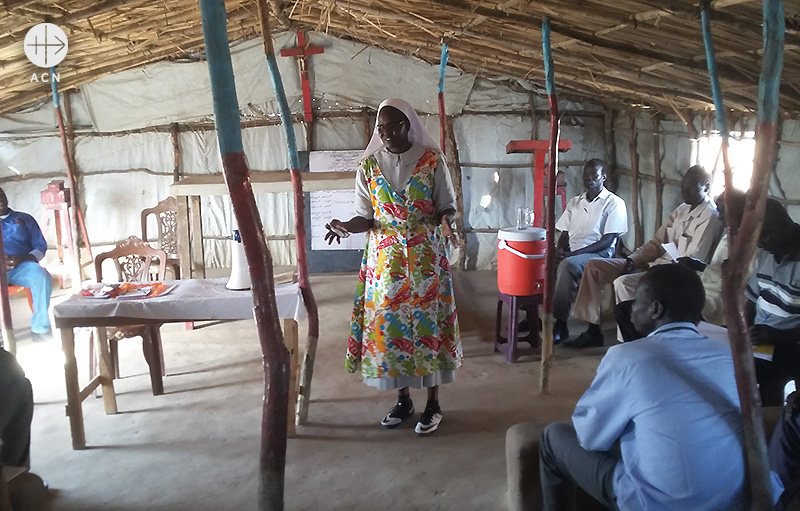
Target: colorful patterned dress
[404, 326]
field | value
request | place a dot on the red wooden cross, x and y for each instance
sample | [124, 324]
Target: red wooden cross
[539, 149]
[302, 51]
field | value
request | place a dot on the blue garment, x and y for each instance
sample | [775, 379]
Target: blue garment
[670, 400]
[22, 236]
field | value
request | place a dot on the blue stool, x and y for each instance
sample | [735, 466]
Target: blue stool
[509, 345]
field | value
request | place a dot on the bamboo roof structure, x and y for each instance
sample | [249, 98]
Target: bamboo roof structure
[623, 53]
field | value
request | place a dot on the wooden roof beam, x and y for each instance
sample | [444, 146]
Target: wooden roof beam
[579, 84]
[691, 12]
[78, 15]
[726, 72]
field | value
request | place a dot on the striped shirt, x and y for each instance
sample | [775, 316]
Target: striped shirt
[775, 288]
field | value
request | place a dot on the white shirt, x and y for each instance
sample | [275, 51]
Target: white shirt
[587, 222]
[670, 402]
[397, 170]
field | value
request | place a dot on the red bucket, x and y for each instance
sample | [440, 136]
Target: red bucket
[521, 261]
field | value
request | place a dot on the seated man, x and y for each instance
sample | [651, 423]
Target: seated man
[16, 413]
[773, 294]
[694, 228]
[24, 247]
[714, 310]
[660, 427]
[589, 227]
[711, 276]
[784, 453]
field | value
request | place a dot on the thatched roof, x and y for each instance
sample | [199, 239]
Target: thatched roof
[620, 52]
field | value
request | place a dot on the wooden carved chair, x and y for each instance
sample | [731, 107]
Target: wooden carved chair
[166, 213]
[133, 259]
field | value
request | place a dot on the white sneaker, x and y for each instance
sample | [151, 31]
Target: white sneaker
[430, 420]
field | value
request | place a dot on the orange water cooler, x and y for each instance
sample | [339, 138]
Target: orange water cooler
[521, 260]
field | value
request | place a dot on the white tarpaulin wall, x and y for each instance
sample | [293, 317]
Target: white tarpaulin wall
[123, 173]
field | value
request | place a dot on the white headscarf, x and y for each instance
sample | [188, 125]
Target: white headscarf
[417, 134]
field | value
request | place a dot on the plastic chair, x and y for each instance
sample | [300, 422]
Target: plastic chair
[166, 213]
[133, 259]
[15, 290]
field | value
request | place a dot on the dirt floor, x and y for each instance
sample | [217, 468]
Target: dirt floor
[196, 447]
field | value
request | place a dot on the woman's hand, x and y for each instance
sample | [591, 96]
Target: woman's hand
[448, 233]
[336, 231]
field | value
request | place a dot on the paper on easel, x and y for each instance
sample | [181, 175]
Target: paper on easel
[672, 251]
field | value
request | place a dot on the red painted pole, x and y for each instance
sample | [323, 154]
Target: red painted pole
[274, 416]
[736, 271]
[307, 369]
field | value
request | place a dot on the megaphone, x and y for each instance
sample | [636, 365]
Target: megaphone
[240, 273]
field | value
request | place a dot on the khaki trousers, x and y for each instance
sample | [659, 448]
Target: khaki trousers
[596, 275]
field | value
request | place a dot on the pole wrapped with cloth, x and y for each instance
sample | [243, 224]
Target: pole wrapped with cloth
[259, 259]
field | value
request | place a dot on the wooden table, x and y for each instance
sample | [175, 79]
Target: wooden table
[191, 300]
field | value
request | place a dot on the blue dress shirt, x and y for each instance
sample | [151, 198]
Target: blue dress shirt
[22, 236]
[670, 401]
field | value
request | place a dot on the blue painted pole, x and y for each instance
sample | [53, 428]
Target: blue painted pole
[274, 420]
[307, 369]
[734, 274]
[549, 285]
[720, 114]
[442, 113]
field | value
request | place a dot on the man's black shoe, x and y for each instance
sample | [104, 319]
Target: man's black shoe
[586, 340]
[560, 334]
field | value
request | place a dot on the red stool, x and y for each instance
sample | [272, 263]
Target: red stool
[508, 346]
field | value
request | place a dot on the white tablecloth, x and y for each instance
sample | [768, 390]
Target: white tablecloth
[191, 300]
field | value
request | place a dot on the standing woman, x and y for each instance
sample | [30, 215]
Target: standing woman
[404, 331]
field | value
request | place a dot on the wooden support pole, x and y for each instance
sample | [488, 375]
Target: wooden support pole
[735, 273]
[275, 356]
[611, 148]
[722, 123]
[307, 371]
[367, 126]
[694, 139]
[9, 342]
[534, 136]
[442, 114]
[458, 186]
[75, 266]
[549, 282]
[290, 338]
[176, 153]
[637, 222]
[657, 168]
[75, 213]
